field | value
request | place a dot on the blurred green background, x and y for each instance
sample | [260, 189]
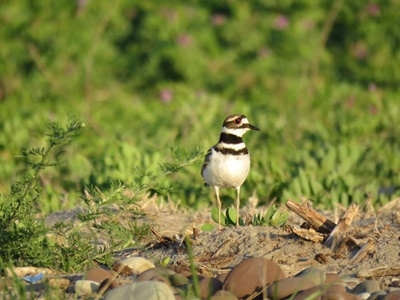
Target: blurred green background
[320, 78]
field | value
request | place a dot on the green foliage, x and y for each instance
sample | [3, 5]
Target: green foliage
[273, 217]
[22, 234]
[26, 239]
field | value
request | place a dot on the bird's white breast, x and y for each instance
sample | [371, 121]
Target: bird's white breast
[226, 171]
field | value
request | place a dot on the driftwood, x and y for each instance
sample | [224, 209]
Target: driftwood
[323, 225]
[312, 217]
[380, 271]
[339, 232]
[307, 234]
[362, 252]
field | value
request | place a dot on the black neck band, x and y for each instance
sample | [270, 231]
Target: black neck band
[230, 138]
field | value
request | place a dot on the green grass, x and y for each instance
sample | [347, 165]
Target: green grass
[155, 81]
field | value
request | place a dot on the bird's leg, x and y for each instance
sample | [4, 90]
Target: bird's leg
[216, 190]
[237, 205]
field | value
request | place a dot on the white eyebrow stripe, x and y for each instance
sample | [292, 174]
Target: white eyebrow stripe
[235, 131]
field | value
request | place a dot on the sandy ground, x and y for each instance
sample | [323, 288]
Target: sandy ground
[217, 251]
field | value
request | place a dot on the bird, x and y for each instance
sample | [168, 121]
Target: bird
[227, 163]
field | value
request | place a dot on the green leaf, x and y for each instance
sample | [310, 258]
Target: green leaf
[214, 216]
[279, 218]
[270, 212]
[207, 227]
[231, 214]
[166, 261]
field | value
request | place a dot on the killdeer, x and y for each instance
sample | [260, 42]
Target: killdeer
[227, 164]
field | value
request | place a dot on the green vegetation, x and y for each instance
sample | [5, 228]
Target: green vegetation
[22, 234]
[272, 217]
[155, 81]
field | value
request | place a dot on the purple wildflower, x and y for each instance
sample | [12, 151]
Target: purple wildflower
[166, 95]
[372, 87]
[184, 40]
[218, 19]
[281, 22]
[373, 9]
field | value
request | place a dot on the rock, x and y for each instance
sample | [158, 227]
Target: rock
[288, 286]
[333, 278]
[209, 286]
[367, 286]
[364, 295]
[98, 274]
[322, 290]
[350, 280]
[378, 295]
[315, 275]
[345, 296]
[179, 280]
[86, 287]
[23, 271]
[252, 275]
[392, 296]
[133, 266]
[395, 283]
[223, 295]
[108, 284]
[189, 275]
[222, 277]
[156, 274]
[59, 283]
[148, 290]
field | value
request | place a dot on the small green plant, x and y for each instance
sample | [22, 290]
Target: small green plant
[228, 218]
[195, 288]
[273, 217]
[22, 235]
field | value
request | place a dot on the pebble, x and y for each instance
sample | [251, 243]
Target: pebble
[333, 278]
[98, 274]
[252, 275]
[108, 284]
[246, 279]
[378, 295]
[86, 287]
[179, 280]
[367, 286]
[156, 274]
[335, 291]
[148, 290]
[223, 295]
[222, 277]
[364, 295]
[350, 281]
[315, 275]
[133, 266]
[59, 283]
[288, 286]
[208, 286]
[392, 296]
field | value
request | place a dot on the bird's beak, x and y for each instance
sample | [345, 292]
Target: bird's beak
[254, 127]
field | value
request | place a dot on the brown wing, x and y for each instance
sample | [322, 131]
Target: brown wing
[206, 161]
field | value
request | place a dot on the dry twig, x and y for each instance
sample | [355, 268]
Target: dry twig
[315, 219]
[339, 232]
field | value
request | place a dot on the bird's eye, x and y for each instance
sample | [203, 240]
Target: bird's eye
[238, 120]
